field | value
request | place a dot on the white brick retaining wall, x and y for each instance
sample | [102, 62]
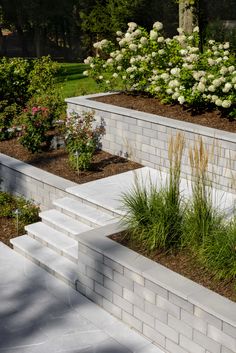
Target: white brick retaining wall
[177, 314]
[144, 138]
[33, 183]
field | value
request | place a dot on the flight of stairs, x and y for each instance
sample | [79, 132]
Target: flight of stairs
[52, 243]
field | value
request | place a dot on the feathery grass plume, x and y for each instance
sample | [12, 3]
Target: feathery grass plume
[201, 218]
[154, 216]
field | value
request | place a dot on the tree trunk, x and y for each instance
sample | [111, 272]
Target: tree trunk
[186, 16]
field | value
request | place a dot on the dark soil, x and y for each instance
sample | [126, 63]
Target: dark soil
[210, 118]
[56, 162]
[8, 230]
[184, 263]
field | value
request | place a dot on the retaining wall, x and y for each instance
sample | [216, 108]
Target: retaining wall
[144, 138]
[177, 314]
[33, 183]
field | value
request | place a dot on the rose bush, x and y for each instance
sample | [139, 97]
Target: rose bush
[171, 69]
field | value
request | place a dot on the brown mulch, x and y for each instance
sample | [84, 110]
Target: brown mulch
[184, 263]
[56, 162]
[8, 230]
[211, 118]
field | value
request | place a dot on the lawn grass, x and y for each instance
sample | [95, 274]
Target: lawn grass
[72, 81]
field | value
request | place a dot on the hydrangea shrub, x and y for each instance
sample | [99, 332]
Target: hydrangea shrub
[171, 69]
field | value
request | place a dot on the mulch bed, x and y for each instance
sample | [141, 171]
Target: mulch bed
[56, 162]
[185, 264]
[8, 230]
[211, 118]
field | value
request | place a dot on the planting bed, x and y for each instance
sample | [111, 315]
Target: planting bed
[56, 162]
[185, 264]
[210, 118]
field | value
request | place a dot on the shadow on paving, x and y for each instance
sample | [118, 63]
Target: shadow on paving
[39, 314]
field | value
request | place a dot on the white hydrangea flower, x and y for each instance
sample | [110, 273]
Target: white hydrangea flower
[169, 91]
[160, 39]
[211, 88]
[165, 76]
[231, 68]
[214, 98]
[124, 77]
[218, 60]
[168, 40]
[85, 73]
[107, 82]
[109, 61]
[137, 33]
[211, 62]
[119, 68]
[211, 41]
[183, 52]
[92, 66]
[201, 87]
[175, 71]
[181, 99]
[180, 30]
[227, 87]
[115, 75]
[132, 25]
[196, 29]
[218, 102]
[158, 26]
[225, 57]
[119, 57]
[100, 77]
[133, 47]
[161, 51]
[226, 104]
[143, 40]
[226, 45]
[119, 33]
[88, 60]
[153, 35]
[157, 88]
[154, 54]
[104, 43]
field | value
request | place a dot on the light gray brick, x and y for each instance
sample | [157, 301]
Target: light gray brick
[111, 308]
[104, 292]
[181, 302]
[229, 329]
[103, 269]
[194, 321]
[190, 346]
[150, 133]
[132, 321]
[202, 314]
[113, 286]
[148, 149]
[156, 312]
[134, 276]
[113, 265]
[167, 331]
[123, 281]
[153, 335]
[122, 303]
[87, 282]
[161, 128]
[133, 298]
[96, 298]
[144, 292]
[96, 276]
[144, 124]
[160, 291]
[206, 342]
[167, 306]
[136, 129]
[172, 347]
[144, 317]
[180, 326]
[226, 350]
[221, 337]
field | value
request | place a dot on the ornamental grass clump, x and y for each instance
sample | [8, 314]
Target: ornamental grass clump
[154, 216]
[202, 219]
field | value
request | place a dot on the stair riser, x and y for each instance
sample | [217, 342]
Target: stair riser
[89, 203]
[53, 247]
[59, 228]
[77, 217]
[45, 267]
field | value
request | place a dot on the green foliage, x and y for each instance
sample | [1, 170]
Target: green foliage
[27, 211]
[154, 217]
[20, 80]
[218, 251]
[171, 69]
[81, 139]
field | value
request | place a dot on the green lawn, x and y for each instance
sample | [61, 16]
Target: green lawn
[73, 82]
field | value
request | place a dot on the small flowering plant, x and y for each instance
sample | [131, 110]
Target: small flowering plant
[35, 124]
[82, 139]
[171, 69]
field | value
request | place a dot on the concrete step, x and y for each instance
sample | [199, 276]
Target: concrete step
[85, 213]
[63, 223]
[46, 258]
[57, 241]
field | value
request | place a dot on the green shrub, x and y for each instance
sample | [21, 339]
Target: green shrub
[81, 139]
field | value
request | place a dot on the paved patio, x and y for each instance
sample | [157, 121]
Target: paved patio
[39, 313]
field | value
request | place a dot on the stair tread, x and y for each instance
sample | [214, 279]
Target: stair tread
[88, 212]
[47, 257]
[54, 238]
[65, 222]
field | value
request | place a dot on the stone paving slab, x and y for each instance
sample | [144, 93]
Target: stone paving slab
[39, 313]
[107, 192]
